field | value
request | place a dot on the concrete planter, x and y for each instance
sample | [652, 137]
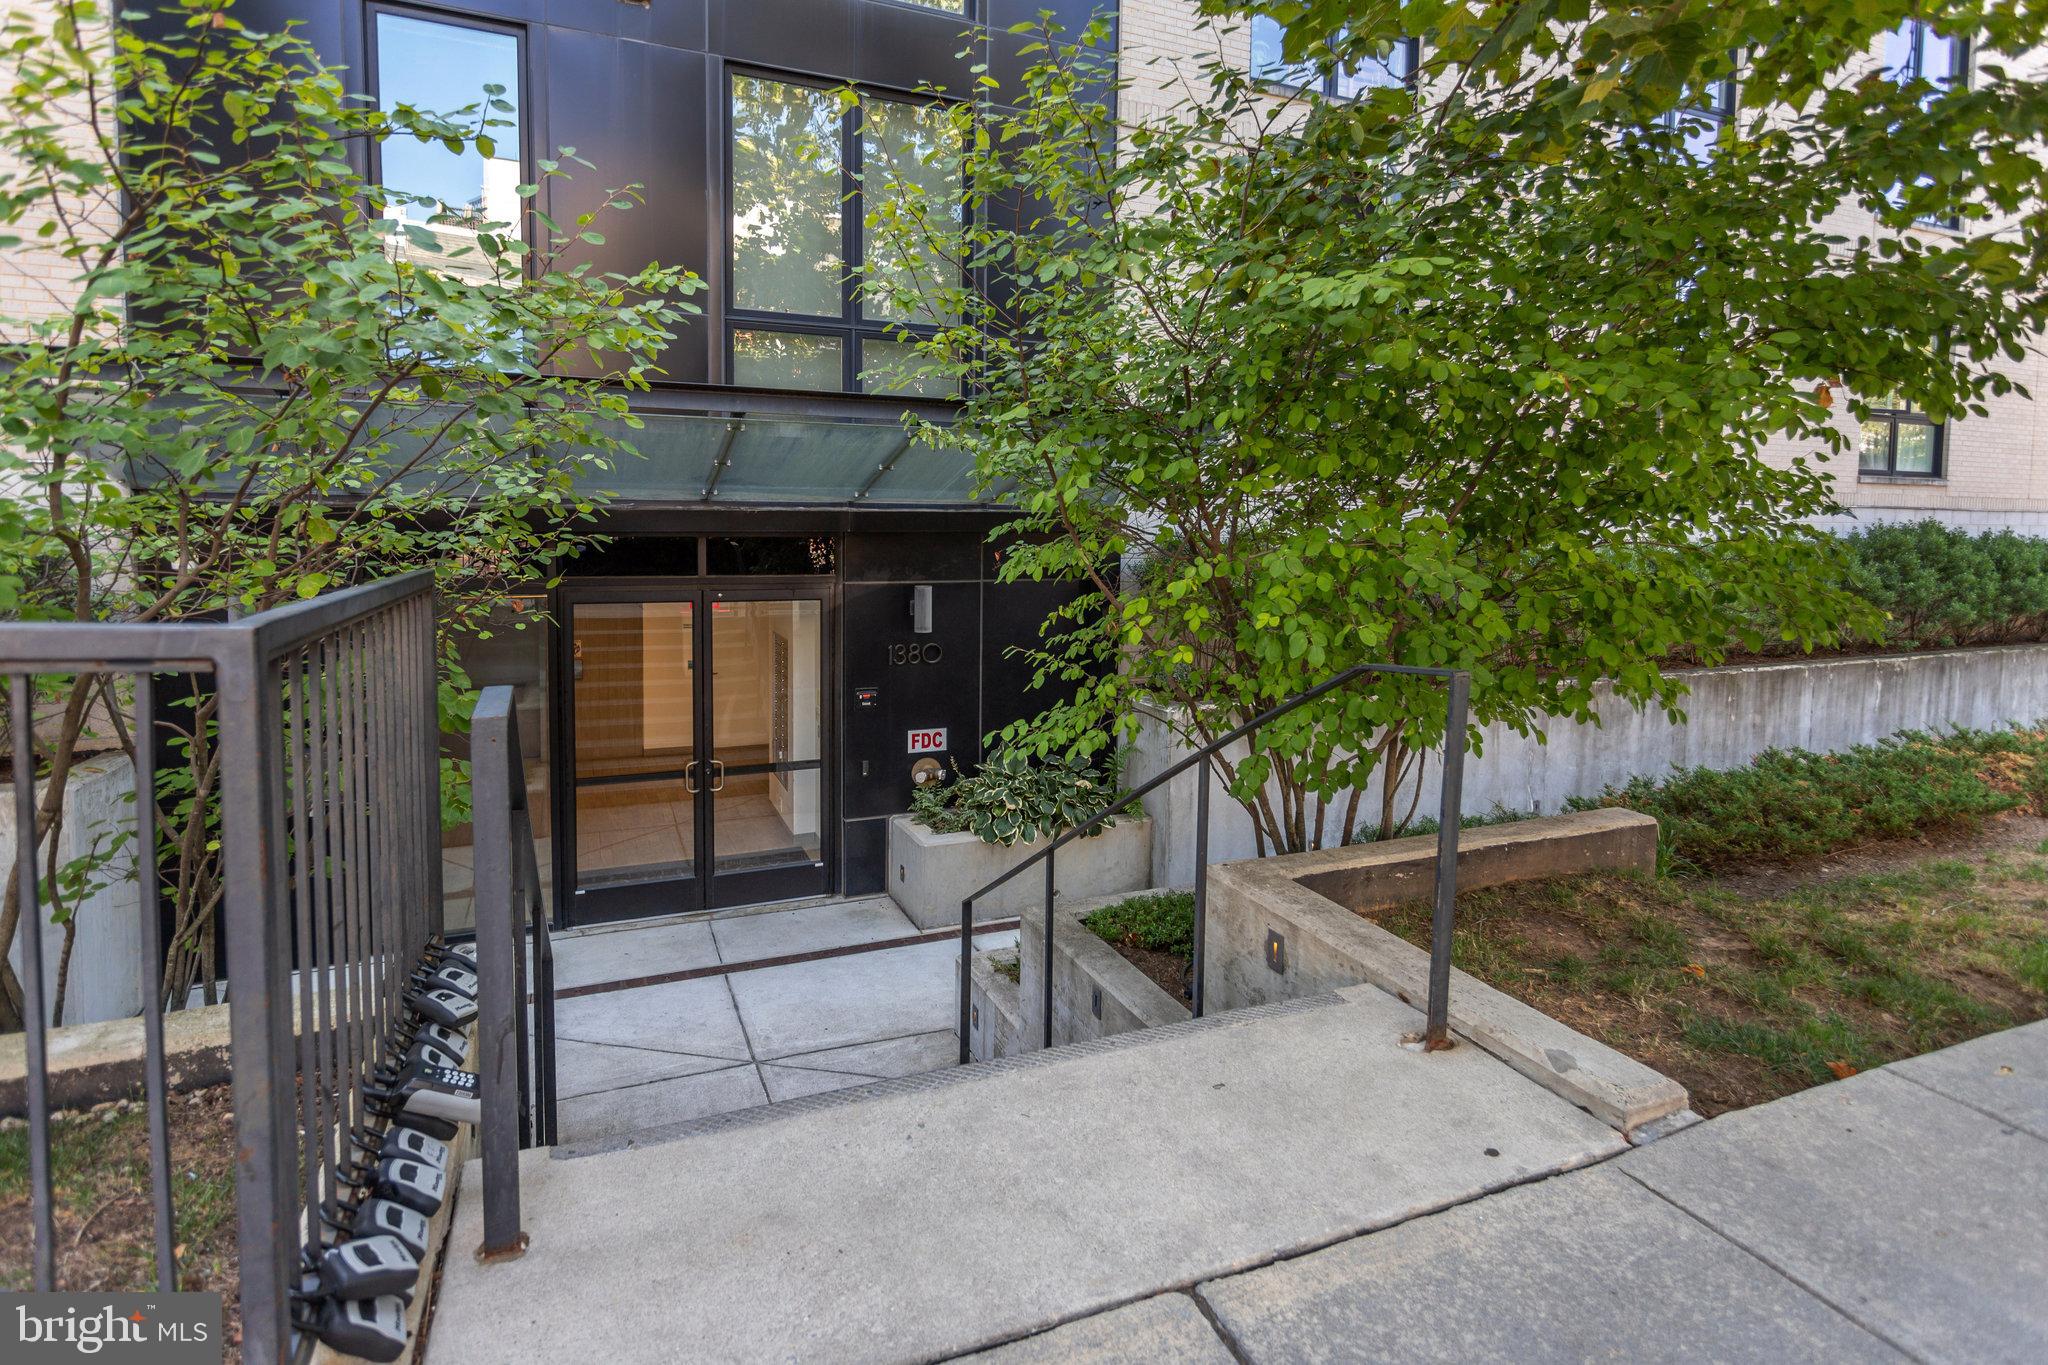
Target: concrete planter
[930, 874]
[1095, 992]
[105, 981]
[1311, 903]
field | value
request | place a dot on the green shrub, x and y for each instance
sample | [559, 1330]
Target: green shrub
[1163, 921]
[1791, 804]
[1014, 799]
[1944, 587]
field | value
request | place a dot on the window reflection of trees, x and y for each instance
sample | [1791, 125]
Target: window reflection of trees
[819, 300]
[786, 193]
[908, 162]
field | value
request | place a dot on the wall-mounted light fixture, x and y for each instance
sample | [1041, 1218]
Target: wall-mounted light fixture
[921, 609]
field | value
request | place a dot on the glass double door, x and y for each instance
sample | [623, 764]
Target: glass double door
[695, 740]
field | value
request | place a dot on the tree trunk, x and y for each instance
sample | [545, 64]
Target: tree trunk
[63, 971]
[48, 824]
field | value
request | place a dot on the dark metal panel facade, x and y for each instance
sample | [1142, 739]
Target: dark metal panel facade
[630, 108]
[922, 682]
[640, 92]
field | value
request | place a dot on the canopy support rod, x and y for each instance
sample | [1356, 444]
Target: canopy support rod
[883, 468]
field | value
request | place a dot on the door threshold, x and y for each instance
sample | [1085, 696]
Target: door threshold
[699, 916]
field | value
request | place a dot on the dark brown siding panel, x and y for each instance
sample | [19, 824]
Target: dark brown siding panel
[636, 112]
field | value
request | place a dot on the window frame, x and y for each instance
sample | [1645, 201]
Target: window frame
[522, 101]
[1962, 64]
[1720, 112]
[849, 327]
[1326, 82]
[1896, 412]
[966, 10]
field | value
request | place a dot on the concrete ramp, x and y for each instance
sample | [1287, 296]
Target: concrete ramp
[938, 1214]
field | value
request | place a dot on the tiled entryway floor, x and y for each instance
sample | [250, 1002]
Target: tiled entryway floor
[651, 1055]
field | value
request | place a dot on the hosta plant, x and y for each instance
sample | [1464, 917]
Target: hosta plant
[1015, 798]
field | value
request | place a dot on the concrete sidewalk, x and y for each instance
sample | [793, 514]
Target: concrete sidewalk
[922, 1217]
[1896, 1215]
[655, 1055]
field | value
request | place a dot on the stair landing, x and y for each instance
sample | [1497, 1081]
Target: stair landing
[937, 1214]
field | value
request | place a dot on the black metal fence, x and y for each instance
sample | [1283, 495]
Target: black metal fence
[516, 1057]
[1458, 687]
[329, 821]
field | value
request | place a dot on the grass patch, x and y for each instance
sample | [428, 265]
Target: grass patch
[1011, 967]
[1163, 922]
[1743, 998]
[99, 1162]
[1790, 804]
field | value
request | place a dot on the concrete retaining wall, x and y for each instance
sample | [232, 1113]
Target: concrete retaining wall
[1095, 992]
[92, 1063]
[995, 1018]
[1734, 714]
[930, 874]
[105, 980]
[1324, 944]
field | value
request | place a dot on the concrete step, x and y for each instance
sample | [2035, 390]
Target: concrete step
[944, 1213]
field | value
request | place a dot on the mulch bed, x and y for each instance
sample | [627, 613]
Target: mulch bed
[1167, 971]
[106, 1229]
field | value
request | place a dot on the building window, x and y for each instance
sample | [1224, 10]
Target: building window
[1700, 118]
[950, 6]
[812, 302]
[1915, 52]
[439, 67]
[1394, 68]
[1900, 439]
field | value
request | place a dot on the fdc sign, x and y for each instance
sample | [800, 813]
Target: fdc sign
[927, 741]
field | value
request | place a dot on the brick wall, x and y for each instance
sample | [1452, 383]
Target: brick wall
[36, 281]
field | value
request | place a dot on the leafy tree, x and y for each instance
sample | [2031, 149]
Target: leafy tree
[264, 375]
[1475, 371]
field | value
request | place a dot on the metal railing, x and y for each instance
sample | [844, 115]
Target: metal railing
[516, 1068]
[329, 821]
[1436, 1032]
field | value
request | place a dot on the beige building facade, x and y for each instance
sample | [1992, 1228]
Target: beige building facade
[1977, 473]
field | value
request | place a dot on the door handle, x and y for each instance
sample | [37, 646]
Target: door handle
[690, 777]
[718, 776]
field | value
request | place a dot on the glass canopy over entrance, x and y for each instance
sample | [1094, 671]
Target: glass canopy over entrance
[750, 448]
[779, 459]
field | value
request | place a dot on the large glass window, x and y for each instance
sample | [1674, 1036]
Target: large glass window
[786, 193]
[1900, 439]
[817, 301]
[1915, 52]
[439, 67]
[1395, 67]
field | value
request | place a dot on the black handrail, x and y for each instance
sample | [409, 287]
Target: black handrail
[1437, 1030]
[516, 1071]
